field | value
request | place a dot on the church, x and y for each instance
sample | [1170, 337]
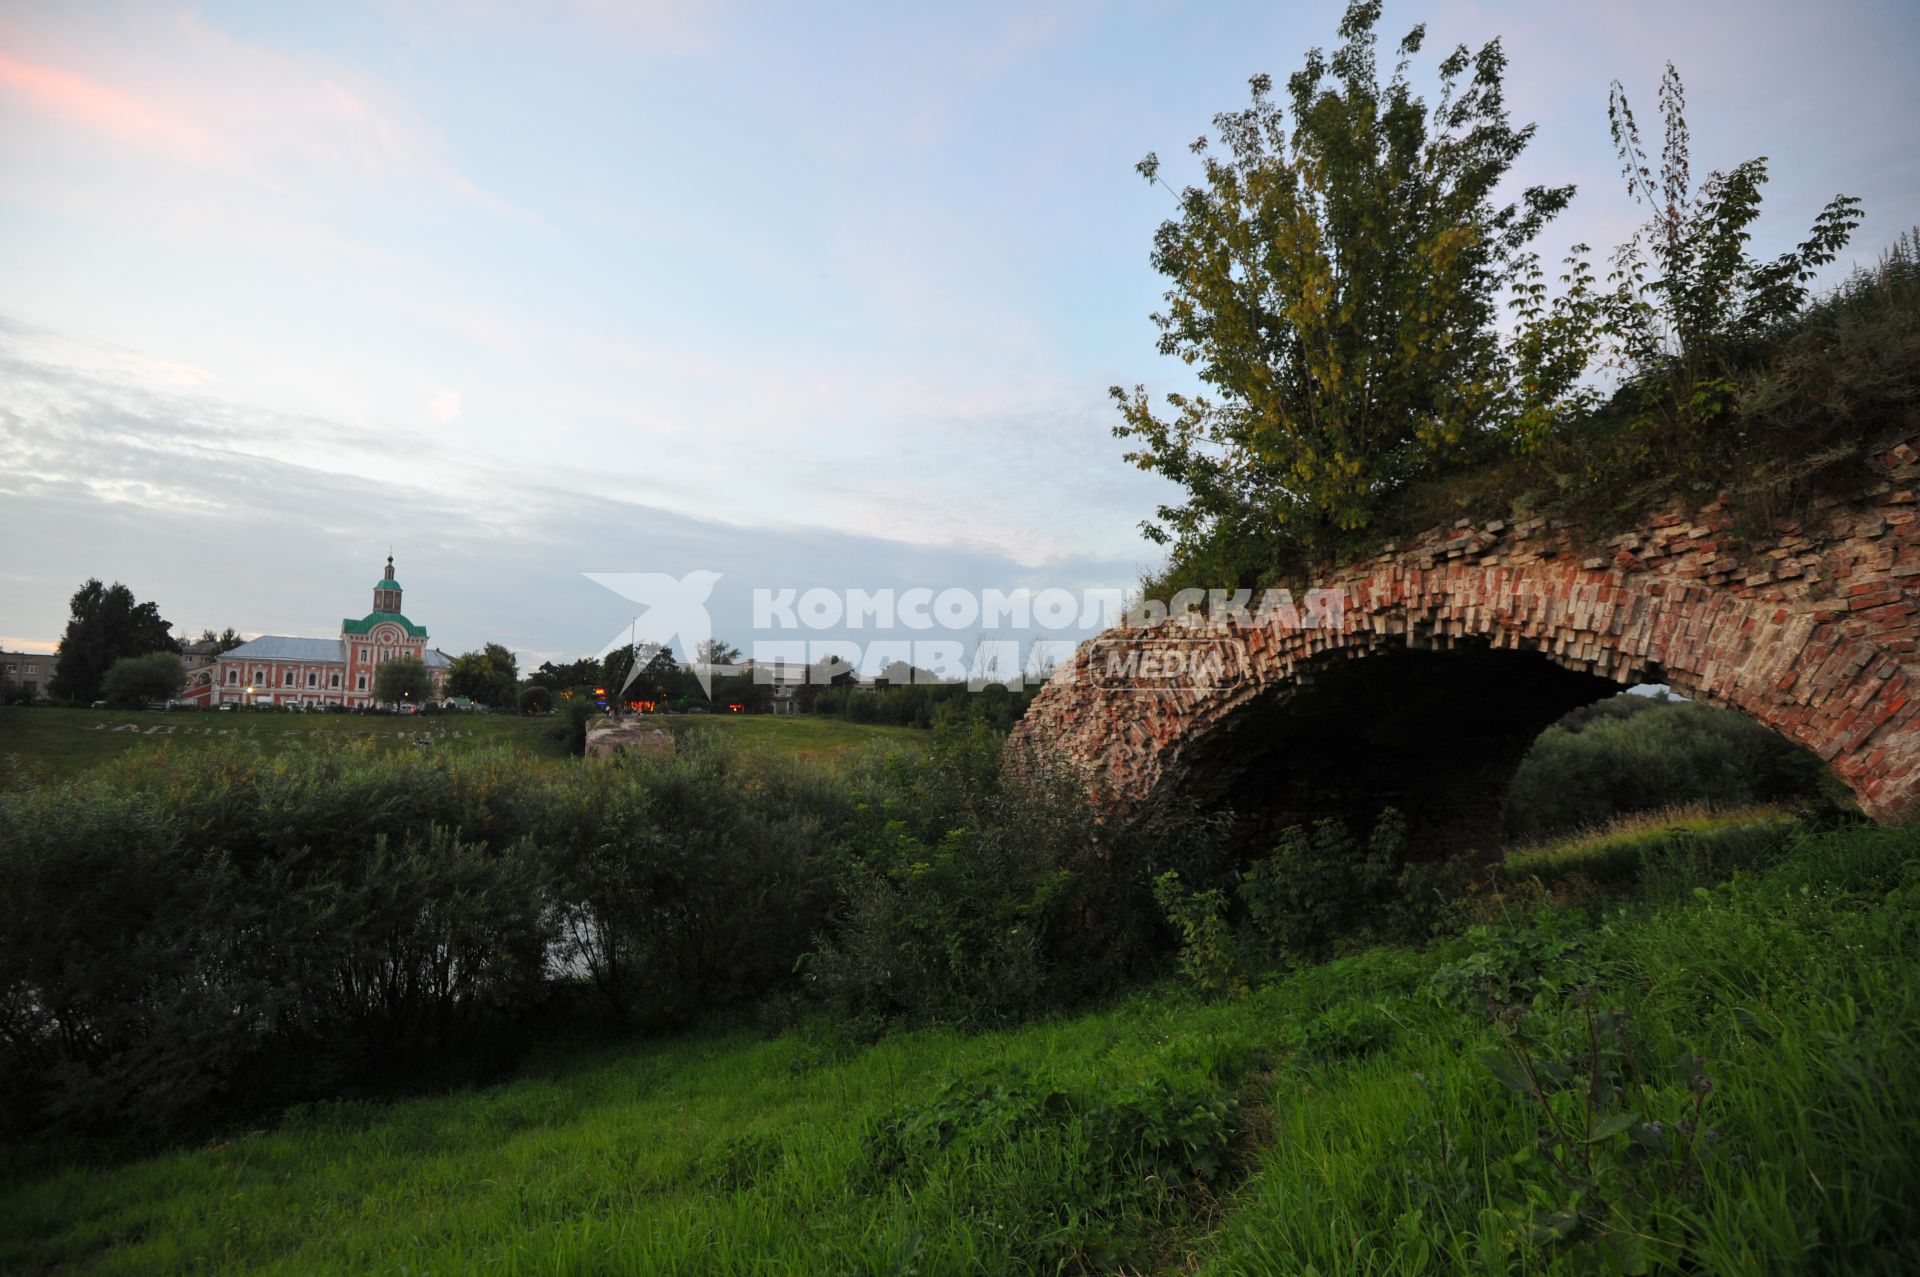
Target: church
[316, 672]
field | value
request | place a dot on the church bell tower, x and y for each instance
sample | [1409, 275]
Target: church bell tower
[386, 595]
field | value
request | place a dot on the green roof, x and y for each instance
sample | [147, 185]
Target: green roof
[371, 619]
[388, 584]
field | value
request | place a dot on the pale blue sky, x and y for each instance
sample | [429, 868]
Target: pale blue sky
[821, 294]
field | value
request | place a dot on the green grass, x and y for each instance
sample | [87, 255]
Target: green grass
[810, 736]
[1621, 851]
[1367, 1133]
[39, 744]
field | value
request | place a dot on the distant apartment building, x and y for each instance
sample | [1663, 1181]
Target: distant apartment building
[785, 678]
[277, 669]
[30, 672]
[197, 655]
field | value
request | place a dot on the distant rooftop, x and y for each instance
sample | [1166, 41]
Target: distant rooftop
[371, 619]
[280, 647]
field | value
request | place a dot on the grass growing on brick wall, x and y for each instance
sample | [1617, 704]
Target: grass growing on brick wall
[1364, 1115]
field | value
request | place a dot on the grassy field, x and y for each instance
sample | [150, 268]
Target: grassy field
[1692, 839]
[41, 744]
[812, 736]
[1349, 1117]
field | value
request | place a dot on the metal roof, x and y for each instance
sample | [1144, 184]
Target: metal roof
[366, 623]
[279, 647]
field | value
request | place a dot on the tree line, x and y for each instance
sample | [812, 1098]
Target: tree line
[122, 651]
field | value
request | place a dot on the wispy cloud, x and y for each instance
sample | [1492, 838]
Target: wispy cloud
[153, 482]
[68, 96]
[176, 88]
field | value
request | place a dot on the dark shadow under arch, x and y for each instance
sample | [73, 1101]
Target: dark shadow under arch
[1436, 734]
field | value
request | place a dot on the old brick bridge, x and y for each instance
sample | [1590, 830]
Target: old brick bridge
[1453, 652]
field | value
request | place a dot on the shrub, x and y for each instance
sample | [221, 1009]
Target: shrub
[1345, 1031]
[1199, 919]
[690, 882]
[964, 896]
[1515, 964]
[1317, 885]
[925, 705]
[576, 712]
[133, 681]
[1638, 753]
[1156, 1129]
[235, 928]
[1620, 1141]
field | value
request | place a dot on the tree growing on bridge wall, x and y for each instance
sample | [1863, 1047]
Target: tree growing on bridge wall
[1335, 281]
[1685, 313]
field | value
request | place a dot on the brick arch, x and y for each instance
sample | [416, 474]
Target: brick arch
[1810, 631]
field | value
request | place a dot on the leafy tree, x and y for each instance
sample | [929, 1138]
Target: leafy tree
[584, 672]
[225, 641]
[828, 672]
[1688, 296]
[403, 680]
[489, 676]
[742, 690]
[1687, 314]
[535, 700]
[470, 676]
[135, 680]
[1335, 287]
[715, 651]
[656, 677]
[104, 625]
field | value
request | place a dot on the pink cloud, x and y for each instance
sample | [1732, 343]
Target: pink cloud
[182, 89]
[79, 100]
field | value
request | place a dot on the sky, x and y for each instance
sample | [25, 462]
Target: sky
[808, 296]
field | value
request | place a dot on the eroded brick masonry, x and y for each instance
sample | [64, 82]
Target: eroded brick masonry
[1808, 627]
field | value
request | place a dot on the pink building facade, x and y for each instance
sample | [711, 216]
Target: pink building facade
[283, 670]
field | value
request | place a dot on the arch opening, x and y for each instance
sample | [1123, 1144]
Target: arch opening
[1631, 756]
[1437, 734]
[1440, 734]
